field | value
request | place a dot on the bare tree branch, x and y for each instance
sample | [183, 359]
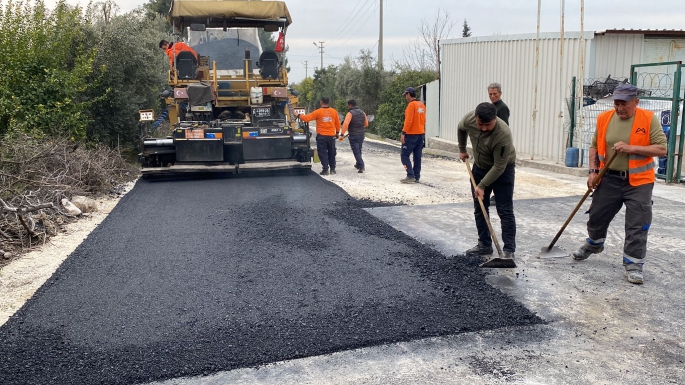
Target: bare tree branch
[423, 53]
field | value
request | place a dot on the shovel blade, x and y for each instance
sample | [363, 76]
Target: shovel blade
[554, 252]
[499, 263]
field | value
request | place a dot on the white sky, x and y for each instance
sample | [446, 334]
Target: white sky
[322, 20]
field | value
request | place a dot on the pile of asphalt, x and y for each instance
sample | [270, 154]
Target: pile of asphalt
[229, 54]
[197, 276]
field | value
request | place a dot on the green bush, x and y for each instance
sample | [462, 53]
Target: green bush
[45, 69]
[130, 72]
[390, 117]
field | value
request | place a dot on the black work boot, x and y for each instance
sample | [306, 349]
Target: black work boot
[324, 172]
[332, 171]
[480, 249]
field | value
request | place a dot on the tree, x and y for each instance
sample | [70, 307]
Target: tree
[466, 30]
[360, 79]
[129, 74]
[47, 60]
[423, 53]
[324, 85]
[390, 116]
[157, 7]
[306, 90]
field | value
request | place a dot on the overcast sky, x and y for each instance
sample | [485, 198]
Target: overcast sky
[346, 27]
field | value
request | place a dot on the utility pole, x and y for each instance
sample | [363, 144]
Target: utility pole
[305, 68]
[320, 47]
[380, 40]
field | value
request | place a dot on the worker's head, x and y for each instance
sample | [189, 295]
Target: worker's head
[410, 94]
[163, 44]
[625, 100]
[324, 102]
[351, 104]
[486, 117]
[495, 92]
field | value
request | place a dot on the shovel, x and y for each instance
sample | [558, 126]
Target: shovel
[494, 263]
[552, 251]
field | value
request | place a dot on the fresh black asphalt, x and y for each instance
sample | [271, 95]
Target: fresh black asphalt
[189, 277]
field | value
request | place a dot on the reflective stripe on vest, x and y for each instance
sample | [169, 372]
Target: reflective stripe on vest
[640, 168]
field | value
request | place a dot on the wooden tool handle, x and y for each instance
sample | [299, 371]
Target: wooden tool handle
[587, 193]
[482, 207]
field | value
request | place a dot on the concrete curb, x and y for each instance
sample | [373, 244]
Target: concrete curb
[449, 149]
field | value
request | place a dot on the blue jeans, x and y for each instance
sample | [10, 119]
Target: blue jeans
[413, 144]
[503, 187]
[356, 142]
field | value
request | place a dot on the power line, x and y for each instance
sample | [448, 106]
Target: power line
[358, 29]
[306, 66]
[351, 25]
[342, 25]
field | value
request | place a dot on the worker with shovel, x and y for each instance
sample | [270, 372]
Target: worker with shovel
[636, 136]
[493, 170]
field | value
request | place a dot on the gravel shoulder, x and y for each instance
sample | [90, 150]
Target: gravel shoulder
[443, 180]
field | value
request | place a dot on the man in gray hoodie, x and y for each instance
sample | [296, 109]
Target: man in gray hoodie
[494, 171]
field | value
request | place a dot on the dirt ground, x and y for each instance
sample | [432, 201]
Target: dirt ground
[443, 180]
[23, 276]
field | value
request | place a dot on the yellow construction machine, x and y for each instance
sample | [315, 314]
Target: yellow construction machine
[230, 108]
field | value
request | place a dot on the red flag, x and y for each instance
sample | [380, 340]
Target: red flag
[280, 43]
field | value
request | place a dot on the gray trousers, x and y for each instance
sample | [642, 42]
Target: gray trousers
[612, 193]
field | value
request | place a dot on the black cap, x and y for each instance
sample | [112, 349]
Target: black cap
[410, 90]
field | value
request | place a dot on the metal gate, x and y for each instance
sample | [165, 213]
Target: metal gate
[659, 89]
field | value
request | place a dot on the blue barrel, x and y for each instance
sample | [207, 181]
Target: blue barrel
[572, 157]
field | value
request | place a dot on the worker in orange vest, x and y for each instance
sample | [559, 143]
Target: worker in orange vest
[327, 130]
[413, 136]
[636, 135]
[173, 49]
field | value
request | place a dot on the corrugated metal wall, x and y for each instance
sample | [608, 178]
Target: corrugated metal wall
[433, 108]
[470, 64]
[614, 53]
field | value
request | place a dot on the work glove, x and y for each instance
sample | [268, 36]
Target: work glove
[341, 138]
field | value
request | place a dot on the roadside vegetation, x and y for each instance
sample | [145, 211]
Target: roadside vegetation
[72, 80]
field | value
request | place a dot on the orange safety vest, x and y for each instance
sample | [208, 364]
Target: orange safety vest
[640, 168]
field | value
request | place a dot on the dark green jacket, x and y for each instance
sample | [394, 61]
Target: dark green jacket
[492, 151]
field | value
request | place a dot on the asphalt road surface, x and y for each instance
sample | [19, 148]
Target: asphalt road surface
[192, 277]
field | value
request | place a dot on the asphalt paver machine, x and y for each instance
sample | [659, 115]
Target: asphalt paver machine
[230, 107]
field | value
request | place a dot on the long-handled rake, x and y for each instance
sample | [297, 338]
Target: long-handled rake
[552, 251]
